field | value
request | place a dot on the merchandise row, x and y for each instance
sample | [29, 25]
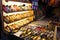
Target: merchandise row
[14, 27]
[16, 8]
[16, 17]
[37, 33]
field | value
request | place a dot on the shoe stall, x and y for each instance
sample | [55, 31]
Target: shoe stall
[18, 19]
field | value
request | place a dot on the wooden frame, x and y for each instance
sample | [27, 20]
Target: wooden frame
[1, 15]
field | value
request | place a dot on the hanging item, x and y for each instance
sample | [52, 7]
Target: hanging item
[34, 4]
[51, 2]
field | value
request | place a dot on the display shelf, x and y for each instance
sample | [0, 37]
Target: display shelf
[14, 22]
[12, 13]
[12, 17]
[17, 34]
[11, 3]
[18, 30]
[28, 18]
[12, 6]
